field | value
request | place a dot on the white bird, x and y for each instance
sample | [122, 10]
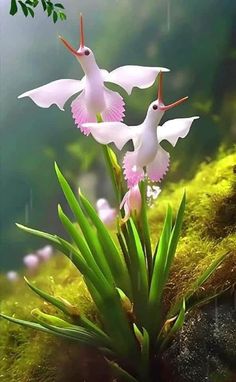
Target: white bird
[95, 98]
[148, 155]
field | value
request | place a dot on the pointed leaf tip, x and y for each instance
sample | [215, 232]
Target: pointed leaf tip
[56, 166]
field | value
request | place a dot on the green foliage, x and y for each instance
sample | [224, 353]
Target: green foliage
[115, 286]
[56, 11]
[208, 230]
[204, 240]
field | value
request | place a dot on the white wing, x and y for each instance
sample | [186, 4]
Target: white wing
[56, 92]
[130, 76]
[174, 129]
[108, 132]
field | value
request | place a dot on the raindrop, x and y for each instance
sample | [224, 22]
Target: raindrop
[31, 199]
[27, 213]
[168, 15]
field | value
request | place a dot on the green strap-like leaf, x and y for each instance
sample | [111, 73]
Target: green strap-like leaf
[145, 356]
[112, 253]
[83, 247]
[158, 279]
[45, 296]
[89, 233]
[120, 373]
[72, 253]
[138, 262]
[29, 324]
[175, 328]
[64, 308]
[109, 157]
[104, 295]
[65, 328]
[145, 233]
[42, 234]
[175, 235]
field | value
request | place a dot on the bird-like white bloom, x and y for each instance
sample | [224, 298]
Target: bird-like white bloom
[148, 155]
[94, 98]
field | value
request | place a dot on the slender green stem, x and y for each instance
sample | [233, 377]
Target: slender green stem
[111, 172]
[117, 183]
[145, 228]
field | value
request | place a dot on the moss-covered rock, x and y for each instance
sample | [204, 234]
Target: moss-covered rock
[209, 231]
[209, 228]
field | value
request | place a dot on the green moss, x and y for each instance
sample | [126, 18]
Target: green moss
[209, 228]
[30, 356]
[208, 232]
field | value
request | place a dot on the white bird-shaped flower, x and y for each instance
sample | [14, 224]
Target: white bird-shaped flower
[148, 155]
[95, 98]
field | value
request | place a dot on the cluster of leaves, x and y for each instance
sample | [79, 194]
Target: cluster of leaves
[56, 11]
[126, 283]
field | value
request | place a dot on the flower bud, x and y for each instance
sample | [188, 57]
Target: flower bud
[132, 202]
[49, 319]
[45, 253]
[12, 276]
[31, 261]
[106, 213]
[70, 309]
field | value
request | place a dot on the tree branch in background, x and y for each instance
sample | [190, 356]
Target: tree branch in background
[53, 10]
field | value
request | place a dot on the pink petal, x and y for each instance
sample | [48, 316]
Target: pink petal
[133, 173]
[56, 92]
[159, 166]
[130, 76]
[81, 114]
[114, 107]
[132, 202]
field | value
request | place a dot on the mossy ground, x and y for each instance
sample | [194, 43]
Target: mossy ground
[209, 231]
[209, 228]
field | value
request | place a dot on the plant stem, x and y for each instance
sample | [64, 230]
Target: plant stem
[111, 171]
[145, 228]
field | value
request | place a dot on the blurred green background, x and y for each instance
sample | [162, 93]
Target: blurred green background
[195, 39]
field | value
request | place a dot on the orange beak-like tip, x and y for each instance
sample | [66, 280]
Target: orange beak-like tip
[68, 46]
[168, 107]
[81, 31]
